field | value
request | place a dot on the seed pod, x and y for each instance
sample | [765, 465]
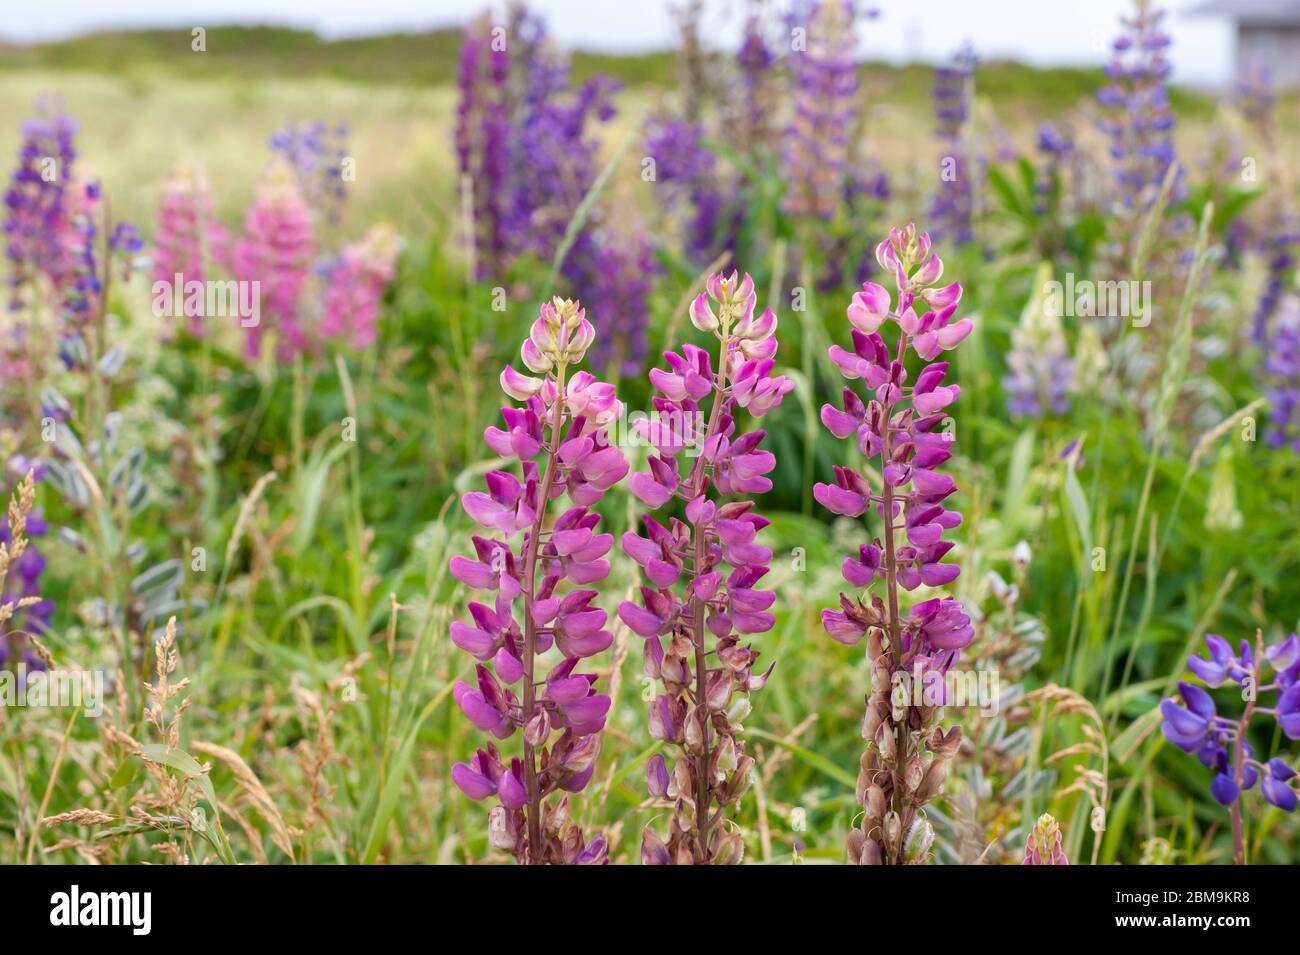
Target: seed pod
[920, 837]
[727, 848]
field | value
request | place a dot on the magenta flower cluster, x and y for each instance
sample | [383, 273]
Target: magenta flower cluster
[899, 426]
[703, 564]
[541, 598]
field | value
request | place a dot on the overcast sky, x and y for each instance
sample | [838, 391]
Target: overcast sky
[1043, 32]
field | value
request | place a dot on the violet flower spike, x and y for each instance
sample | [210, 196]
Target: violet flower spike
[705, 680]
[563, 421]
[899, 425]
[1195, 725]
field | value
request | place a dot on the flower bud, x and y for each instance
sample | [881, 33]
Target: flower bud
[1043, 847]
[728, 848]
[537, 729]
[920, 837]
[656, 776]
[739, 710]
[702, 316]
[502, 833]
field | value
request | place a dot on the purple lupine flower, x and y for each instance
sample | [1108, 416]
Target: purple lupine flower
[553, 151]
[559, 437]
[702, 601]
[1282, 367]
[953, 205]
[825, 87]
[1040, 371]
[483, 134]
[1279, 249]
[1195, 725]
[37, 204]
[316, 152]
[624, 280]
[900, 424]
[755, 61]
[688, 171]
[1043, 847]
[1140, 122]
[1055, 146]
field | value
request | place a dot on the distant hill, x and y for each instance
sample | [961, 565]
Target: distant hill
[423, 59]
[430, 59]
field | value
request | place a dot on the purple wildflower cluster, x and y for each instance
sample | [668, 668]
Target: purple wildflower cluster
[483, 133]
[1055, 146]
[1196, 726]
[523, 140]
[825, 88]
[562, 423]
[703, 570]
[953, 205]
[904, 764]
[51, 227]
[755, 61]
[52, 233]
[1140, 122]
[1280, 250]
[316, 153]
[527, 157]
[624, 281]
[689, 173]
[1282, 367]
[38, 202]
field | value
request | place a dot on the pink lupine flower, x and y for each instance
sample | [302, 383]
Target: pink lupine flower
[276, 250]
[1043, 847]
[355, 287]
[560, 440]
[695, 605]
[188, 239]
[898, 427]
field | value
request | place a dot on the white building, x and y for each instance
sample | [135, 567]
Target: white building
[1268, 36]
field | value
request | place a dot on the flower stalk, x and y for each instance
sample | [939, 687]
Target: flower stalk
[563, 419]
[903, 424]
[704, 683]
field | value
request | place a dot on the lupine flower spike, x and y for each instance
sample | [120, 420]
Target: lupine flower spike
[1220, 742]
[276, 250]
[1043, 847]
[188, 238]
[559, 437]
[701, 601]
[899, 428]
